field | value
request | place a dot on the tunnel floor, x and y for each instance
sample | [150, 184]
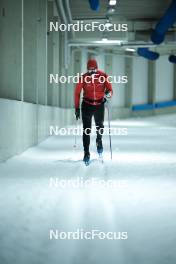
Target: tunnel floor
[141, 201]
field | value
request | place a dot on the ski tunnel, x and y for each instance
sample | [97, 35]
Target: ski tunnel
[121, 207]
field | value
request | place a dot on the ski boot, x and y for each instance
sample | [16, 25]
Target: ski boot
[100, 149]
[99, 146]
[86, 158]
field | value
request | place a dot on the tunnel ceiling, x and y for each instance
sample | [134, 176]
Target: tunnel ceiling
[126, 9]
[141, 15]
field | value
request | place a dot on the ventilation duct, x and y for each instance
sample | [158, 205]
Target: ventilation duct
[94, 4]
[164, 24]
[146, 53]
[172, 58]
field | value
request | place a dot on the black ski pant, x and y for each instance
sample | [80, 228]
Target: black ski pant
[88, 111]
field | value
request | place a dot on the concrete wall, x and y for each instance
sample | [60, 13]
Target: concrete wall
[30, 51]
[164, 80]
[118, 69]
[28, 54]
[50, 57]
[27, 51]
[42, 52]
[11, 50]
[101, 61]
[140, 81]
[24, 125]
[83, 61]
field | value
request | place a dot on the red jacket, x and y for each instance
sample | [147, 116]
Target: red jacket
[94, 87]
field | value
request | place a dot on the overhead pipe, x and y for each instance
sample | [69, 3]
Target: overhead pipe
[90, 44]
[67, 2]
[148, 54]
[74, 49]
[164, 24]
[94, 5]
[172, 58]
[69, 16]
[97, 44]
[61, 12]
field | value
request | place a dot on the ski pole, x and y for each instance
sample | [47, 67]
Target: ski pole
[75, 138]
[109, 125]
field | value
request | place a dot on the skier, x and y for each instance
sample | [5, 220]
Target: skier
[96, 91]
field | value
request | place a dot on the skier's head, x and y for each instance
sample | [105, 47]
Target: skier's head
[92, 66]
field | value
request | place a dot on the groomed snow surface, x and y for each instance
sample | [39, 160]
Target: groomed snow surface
[145, 206]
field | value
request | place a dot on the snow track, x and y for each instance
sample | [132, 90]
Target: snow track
[145, 207]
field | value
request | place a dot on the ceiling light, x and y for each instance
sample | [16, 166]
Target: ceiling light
[107, 41]
[112, 2]
[130, 49]
[104, 39]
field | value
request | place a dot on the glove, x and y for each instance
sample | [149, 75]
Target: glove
[77, 113]
[107, 94]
